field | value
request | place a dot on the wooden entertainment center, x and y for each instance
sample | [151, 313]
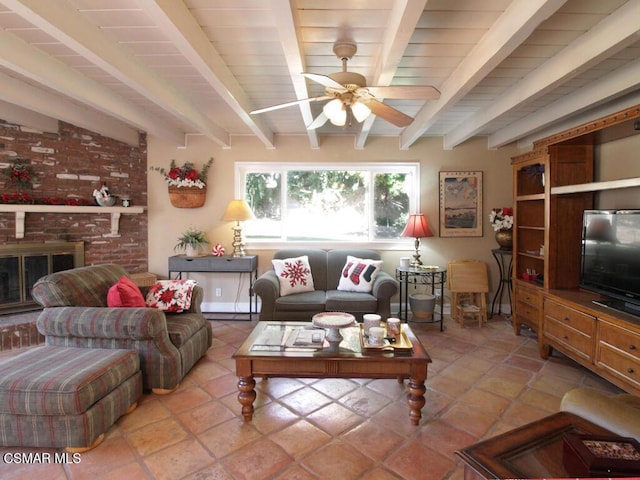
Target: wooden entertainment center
[553, 184]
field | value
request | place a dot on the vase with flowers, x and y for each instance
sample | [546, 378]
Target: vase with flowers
[187, 186]
[501, 220]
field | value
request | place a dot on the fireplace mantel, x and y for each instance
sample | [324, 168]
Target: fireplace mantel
[22, 210]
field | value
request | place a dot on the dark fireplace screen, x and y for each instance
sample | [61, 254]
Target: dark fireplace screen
[21, 265]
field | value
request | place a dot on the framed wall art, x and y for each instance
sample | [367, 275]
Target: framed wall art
[460, 204]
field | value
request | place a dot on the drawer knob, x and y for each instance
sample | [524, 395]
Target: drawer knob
[629, 370]
[632, 347]
[566, 319]
[566, 337]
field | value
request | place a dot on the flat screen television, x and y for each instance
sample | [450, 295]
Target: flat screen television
[611, 257]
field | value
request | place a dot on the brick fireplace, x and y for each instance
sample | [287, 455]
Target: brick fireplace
[70, 164]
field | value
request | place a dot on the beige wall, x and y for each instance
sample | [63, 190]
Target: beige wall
[167, 222]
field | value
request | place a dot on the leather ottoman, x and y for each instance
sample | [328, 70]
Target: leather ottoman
[66, 397]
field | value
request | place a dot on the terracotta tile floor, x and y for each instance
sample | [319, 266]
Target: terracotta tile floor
[483, 381]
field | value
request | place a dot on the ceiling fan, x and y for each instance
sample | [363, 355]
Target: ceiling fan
[347, 92]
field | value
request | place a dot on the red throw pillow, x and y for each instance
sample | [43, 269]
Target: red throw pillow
[128, 294]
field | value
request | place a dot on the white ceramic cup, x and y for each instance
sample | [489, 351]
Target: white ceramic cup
[376, 336]
[393, 327]
[370, 320]
[404, 262]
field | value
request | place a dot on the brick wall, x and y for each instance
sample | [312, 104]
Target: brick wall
[70, 164]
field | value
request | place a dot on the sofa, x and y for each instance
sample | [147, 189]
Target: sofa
[327, 267]
[618, 412]
[76, 314]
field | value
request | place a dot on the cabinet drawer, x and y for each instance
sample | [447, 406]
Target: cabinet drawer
[526, 311]
[180, 263]
[527, 296]
[625, 366]
[579, 342]
[620, 338]
[568, 316]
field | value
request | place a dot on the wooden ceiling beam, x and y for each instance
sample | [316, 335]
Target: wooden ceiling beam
[612, 34]
[508, 32]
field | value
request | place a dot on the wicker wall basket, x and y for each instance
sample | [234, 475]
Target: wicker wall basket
[187, 197]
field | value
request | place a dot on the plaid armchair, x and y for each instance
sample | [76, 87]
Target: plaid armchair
[75, 314]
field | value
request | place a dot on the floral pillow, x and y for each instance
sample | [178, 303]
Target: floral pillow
[171, 295]
[125, 294]
[358, 274]
[294, 275]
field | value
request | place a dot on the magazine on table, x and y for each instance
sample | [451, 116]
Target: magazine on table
[278, 337]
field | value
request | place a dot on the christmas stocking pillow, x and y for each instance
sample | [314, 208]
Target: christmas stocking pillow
[294, 275]
[358, 274]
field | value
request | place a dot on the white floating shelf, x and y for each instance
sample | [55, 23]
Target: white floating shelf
[21, 211]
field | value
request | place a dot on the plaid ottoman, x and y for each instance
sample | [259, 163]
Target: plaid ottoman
[66, 397]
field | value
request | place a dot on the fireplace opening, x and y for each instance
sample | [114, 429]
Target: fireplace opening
[22, 264]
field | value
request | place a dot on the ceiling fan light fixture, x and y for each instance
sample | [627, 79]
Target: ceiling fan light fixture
[360, 111]
[332, 108]
[340, 117]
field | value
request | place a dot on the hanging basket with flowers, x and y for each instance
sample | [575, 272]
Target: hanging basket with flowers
[187, 187]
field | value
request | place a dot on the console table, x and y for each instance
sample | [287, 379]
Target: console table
[420, 276]
[504, 259]
[212, 264]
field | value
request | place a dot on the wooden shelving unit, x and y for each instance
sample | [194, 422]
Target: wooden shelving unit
[549, 214]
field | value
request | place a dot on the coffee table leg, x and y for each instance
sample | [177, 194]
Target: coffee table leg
[415, 399]
[246, 396]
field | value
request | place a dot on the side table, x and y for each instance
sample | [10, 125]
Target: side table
[420, 276]
[212, 264]
[504, 259]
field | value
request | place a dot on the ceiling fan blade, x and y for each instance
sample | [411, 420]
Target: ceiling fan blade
[406, 92]
[324, 81]
[288, 104]
[318, 122]
[388, 113]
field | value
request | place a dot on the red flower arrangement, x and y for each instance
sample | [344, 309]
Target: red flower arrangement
[186, 175]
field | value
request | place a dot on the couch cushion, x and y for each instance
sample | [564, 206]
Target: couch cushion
[317, 263]
[171, 295]
[125, 294]
[306, 301]
[336, 260]
[351, 302]
[358, 274]
[62, 381]
[294, 275]
[182, 326]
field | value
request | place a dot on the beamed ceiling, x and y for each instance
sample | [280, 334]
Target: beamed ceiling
[510, 70]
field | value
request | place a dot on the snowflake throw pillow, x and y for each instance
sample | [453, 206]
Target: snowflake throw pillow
[294, 275]
[358, 274]
[171, 295]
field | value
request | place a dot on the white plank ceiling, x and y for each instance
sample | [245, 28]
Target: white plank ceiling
[510, 70]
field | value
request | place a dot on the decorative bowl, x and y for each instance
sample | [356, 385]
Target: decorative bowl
[110, 201]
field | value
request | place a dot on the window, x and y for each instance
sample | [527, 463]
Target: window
[328, 203]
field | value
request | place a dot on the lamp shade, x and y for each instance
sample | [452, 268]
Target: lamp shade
[237, 211]
[360, 111]
[417, 227]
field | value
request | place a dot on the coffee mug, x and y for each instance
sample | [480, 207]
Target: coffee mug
[393, 327]
[376, 336]
[404, 262]
[370, 320]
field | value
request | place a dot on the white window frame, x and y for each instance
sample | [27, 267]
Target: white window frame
[243, 168]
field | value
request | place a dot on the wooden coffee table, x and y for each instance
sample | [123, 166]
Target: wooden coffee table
[350, 361]
[531, 451]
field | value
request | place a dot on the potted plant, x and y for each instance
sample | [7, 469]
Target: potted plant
[191, 242]
[187, 186]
